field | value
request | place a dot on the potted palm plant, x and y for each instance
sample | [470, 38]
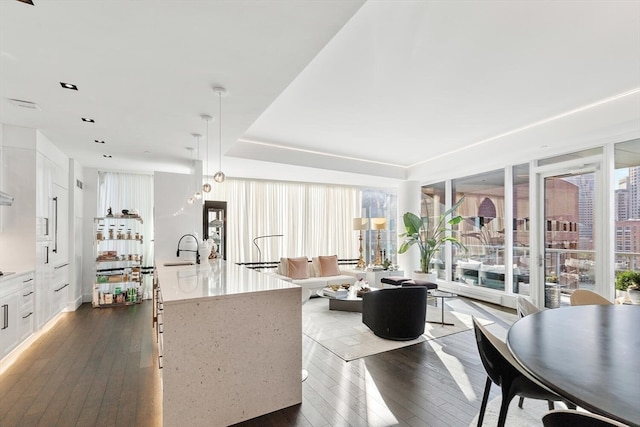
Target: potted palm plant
[429, 237]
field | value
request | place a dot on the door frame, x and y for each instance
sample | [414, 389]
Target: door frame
[602, 215]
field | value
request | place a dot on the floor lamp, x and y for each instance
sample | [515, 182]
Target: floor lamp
[378, 224]
[360, 224]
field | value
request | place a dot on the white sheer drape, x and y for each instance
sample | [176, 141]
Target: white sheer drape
[314, 219]
[133, 192]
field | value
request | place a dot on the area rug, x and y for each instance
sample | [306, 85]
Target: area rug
[344, 334]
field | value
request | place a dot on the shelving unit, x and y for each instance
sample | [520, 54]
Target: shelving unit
[215, 226]
[118, 247]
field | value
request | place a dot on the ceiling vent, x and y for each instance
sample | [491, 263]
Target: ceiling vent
[24, 104]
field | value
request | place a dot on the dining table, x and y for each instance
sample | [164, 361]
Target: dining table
[589, 355]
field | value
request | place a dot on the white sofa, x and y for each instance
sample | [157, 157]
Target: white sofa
[315, 280]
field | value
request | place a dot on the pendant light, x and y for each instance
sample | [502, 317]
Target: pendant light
[219, 176]
[206, 187]
[190, 200]
[198, 194]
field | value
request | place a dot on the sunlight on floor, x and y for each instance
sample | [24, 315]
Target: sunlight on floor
[456, 370]
[375, 400]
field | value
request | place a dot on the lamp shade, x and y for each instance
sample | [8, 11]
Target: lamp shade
[378, 223]
[360, 223]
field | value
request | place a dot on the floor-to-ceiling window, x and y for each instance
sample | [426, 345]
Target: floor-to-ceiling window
[627, 206]
[379, 203]
[432, 204]
[482, 231]
[521, 230]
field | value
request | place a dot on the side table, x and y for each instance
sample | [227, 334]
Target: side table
[442, 295]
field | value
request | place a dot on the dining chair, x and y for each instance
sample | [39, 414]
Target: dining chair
[565, 418]
[587, 297]
[503, 370]
[525, 308]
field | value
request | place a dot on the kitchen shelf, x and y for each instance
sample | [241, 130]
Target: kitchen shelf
[121, 275]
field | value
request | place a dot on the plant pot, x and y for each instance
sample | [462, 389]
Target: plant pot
[634, 295]
[621, 294]
[429, 277]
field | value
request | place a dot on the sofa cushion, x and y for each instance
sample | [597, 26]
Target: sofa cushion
[329, 266]
[297, 268]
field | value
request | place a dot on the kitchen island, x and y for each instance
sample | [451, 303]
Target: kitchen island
[230, 343]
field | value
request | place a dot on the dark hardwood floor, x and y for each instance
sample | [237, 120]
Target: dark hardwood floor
[98, 367]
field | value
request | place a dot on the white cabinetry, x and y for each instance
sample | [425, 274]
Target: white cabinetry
[15, 305]
[9, 322]
[59, 288]
[27, 307]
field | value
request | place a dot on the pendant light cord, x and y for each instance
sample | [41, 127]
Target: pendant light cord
[220, 130]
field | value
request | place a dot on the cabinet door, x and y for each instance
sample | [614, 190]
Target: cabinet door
[59, 288]
[44, 278]
[9, 323]
[44, 190]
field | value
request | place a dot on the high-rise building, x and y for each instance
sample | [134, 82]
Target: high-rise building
[622, 204]
[633, 185]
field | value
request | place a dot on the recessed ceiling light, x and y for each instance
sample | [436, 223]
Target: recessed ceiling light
[68, 86]
[98, 141]
[107, 156]
[84, 119]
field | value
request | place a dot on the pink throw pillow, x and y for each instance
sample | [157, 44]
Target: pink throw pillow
[298, 268]
[329, 266]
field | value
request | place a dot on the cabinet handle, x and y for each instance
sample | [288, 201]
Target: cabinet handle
[28, 280]
[55, 225]
[28, 294]
[61, 288]
[24, 317]
[5, 317]
[61, 265]
[46, 260]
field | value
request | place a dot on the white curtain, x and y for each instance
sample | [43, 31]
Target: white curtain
[130, 191]
[314, 219]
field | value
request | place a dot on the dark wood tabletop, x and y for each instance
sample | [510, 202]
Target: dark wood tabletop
[588, 354]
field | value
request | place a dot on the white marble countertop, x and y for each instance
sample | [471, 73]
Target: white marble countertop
[213, 278]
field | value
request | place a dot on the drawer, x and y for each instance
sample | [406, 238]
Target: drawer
[25, 324]
[61, 273]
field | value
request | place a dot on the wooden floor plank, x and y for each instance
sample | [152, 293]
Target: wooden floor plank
[98, 367]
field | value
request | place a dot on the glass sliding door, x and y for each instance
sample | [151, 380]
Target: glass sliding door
[569, 234]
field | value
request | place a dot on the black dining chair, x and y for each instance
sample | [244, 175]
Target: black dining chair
[503, 370]
[525, 308]
[564, 418]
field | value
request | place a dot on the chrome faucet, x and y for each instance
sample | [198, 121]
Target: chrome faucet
[189, 250]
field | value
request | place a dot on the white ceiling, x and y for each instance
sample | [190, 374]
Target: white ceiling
[335, 91]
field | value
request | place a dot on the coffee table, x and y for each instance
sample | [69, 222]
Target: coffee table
[344, 304]
[442, 295]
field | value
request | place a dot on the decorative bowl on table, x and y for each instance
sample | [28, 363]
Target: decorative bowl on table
[363, 291]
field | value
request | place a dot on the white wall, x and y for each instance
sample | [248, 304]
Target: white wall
[89, 206]
[76, 215]
[408, 201]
